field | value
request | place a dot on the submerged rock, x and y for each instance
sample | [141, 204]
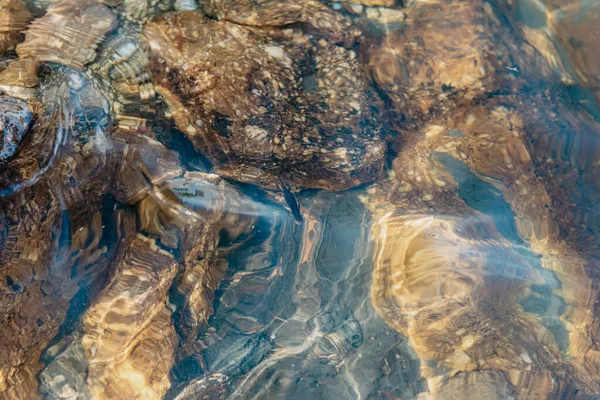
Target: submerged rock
[94, 205]
[194, 212]
[248, 104]
[141, 11]
[15, 118]
[275, 13]
[566, 34]
[122, 64]
[20, 73]
[448, 55]
[67, 34]
[13, 21]
[211, 387]
[46, 253]
[132, 360]
[577, 30]
[372, 3]
[447, 276]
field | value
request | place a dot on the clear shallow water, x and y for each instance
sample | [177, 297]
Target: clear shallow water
[317, 334]
[444, 156]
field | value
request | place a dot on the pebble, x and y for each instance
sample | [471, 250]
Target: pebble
[385, 15]
[15, 118]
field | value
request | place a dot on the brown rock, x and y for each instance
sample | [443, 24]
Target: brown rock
[577, 29]
[38, 185]
[275, 13]
[443, 299]
[242, 99]
[20, 73]
[13, 21]
[52, 228]
[123, 66]
[131, 360]
[42, 278]
[372, 3]
[140, 11]
[449, 54]
[145, 163]
[386, 17]
[191, 213]
[67, 34]
[28, 223]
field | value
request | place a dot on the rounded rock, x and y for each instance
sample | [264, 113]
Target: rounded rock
[15, 119]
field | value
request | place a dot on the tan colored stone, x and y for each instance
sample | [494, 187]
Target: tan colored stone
[577, 29]
[448, 55]
[68, 33]
[20, 72]
[13, 21]
[437, 277]
[129, 340]
[372, 3]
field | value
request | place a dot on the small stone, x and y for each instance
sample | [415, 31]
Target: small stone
[22, 73]
[183, 5]
[15, 118]
[385, 15]
[355, 8]
[373, 3]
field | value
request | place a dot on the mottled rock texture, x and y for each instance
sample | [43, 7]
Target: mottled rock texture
[253, 109]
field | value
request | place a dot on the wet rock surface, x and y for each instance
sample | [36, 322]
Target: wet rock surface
[16, 118]
[132, 360]
[438, 272]
[272, 13]
[67, 34]
[243, 101]
[145, 249]
[516, 144]
[384, 3]
[565, 33]
[576, 29]
[13, 20]
[449, 55]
